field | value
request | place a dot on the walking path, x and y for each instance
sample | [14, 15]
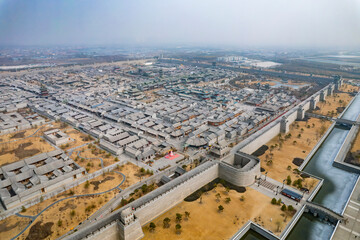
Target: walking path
[349, 228]
[33, 218]
[101, 160]
[15, 140]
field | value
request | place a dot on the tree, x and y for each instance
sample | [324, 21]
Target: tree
[290, 208]
[123, 202]
[152, 227]
[273, 201]
[227, 200]
[278, 201]
[166, 222]
[227, 190]
[283, 208]
[178, 217]
[220, 208]
[299, 136]
[87, 185]
[187, 215]
[288, 180]
[23, 209]
[242, 198]
[218, 196]
[59, 223]
[178, 228]
[294, 142]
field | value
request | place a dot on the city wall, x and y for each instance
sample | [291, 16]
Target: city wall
[264, 135]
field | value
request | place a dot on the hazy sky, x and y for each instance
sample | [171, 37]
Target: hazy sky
[240, 23]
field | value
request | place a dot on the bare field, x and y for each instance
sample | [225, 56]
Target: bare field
[278, 162]
[206, 222]
[24, 148]
[12, 225]
[93, 164]
[69, 212]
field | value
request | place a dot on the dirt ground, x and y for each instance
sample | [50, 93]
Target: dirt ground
[24, 148]
[283, 157]
[150, 95]
[132, 173]
[334, 105]
[353, 155]
[12, 225]
[71, 212]
[92, 165]
[83, 207]
[206, 222]
[78, 137]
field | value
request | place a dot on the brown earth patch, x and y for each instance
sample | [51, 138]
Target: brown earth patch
[69, 204]
[97, 183]
[21, 152]
[40, 231]
[18, 135]
[298, 161]
[4, 227]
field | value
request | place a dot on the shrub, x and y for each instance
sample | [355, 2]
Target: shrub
[220, 208]
[273, 201]
[59, 223]
[278, 201]
[87, 185]
[23, 209]
[290, 208]
[283, 208]
[72, 213]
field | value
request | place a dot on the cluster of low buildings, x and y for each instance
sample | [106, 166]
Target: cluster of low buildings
[103, 101]
[14, 112]
[29, 178]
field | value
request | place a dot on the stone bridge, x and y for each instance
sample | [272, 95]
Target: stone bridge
[323, 212]
[338, 120]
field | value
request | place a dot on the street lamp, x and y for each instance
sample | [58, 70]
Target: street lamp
[277, 188]
[266, 175]
[283, 184]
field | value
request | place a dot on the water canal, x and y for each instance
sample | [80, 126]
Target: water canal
[338, 184]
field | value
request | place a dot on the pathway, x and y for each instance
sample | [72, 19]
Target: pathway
[33, 218]
[15, 140]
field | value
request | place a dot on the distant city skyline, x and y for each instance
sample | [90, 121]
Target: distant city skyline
[229, 23]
